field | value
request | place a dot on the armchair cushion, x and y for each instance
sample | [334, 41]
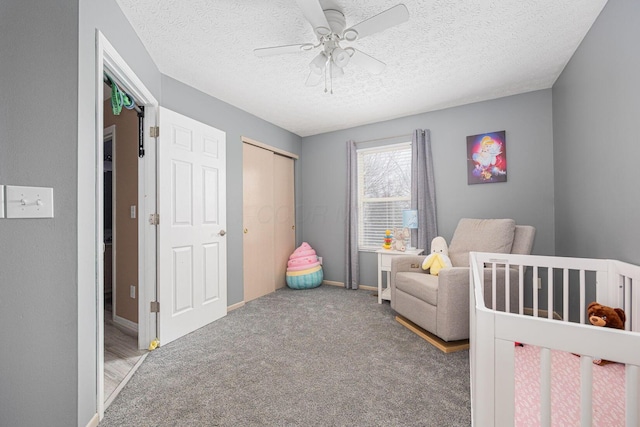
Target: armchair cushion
[480, 235]
[420, 285]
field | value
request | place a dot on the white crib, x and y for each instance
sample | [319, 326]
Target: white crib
[493, 333]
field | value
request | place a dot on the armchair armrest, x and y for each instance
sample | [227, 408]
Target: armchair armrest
[453, 299]
[453, 303]
[407, 263]
[400, 264]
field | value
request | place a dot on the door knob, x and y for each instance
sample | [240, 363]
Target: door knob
[222, 232]
[246, 230]
[293, 227]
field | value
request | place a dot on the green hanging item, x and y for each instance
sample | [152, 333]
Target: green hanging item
[119, 99]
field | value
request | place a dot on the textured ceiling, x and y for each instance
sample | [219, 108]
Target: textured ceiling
[450, 52]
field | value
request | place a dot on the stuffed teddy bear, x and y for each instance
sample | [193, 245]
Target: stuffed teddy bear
[608, 317]
[438, 258]
[399, 236]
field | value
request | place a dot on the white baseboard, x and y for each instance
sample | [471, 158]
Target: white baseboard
[235, 306]
[93, 422]
[125, 323]
[332, 283]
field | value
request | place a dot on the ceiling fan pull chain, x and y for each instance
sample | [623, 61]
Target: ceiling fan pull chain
[325, 73]
[331, 72]
[325, 81]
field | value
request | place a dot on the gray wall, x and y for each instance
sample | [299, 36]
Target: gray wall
[107, 17]
[596, 105]
[527, 196]
[38, 257]
[236, 123]
[47, 279]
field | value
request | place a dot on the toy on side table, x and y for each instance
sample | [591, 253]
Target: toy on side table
[399, 237]
[608, 317]
[438, 258]
[387, 239]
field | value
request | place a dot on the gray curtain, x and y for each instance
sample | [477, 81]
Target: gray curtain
[423, 190]
[351, 268]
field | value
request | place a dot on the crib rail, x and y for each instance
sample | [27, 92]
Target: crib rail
[495, 328]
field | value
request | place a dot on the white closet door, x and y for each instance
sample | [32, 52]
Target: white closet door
[192, 247]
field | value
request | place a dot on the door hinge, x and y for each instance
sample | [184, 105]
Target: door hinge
[154, 131]
[154, 219]
[155, 307]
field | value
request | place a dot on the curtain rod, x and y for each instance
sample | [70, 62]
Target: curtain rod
[385, 138]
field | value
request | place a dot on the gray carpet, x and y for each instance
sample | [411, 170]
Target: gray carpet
[319, 357]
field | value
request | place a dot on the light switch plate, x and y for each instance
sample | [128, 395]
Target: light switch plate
[28, 202]
[1, 201]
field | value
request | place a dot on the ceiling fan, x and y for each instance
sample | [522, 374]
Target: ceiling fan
[329, 25]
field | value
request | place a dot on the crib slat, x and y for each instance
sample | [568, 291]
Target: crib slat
[582, 297]
[493, 286]
[634, 314]
[627, 303]
[507, 289]
[550, 293]
[521, 289]
[586, 387]
[545, 387]
[535, 291]
[631, 400]
[565, 294]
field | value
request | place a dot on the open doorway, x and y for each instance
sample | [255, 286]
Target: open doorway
[120, 195]
[131, 266]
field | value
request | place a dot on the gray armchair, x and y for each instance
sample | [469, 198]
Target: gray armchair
[440, 304]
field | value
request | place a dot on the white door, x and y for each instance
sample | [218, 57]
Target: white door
[192, 247]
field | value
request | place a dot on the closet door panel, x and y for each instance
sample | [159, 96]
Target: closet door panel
[258, 220]
[284, 216]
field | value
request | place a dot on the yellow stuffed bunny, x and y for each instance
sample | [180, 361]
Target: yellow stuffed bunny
[438, 258]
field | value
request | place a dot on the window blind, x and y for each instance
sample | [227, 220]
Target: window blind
[384, 191]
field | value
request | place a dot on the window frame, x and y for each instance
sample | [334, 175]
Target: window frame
[360, 187]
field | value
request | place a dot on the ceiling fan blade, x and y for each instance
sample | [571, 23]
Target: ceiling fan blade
[314, 79]
[277, 50]
[313, 13]
[363, 60]
[380, 22]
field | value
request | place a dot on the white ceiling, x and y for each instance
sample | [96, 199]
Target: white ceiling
[450, 52]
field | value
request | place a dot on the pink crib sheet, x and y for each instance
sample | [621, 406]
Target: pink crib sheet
[608, 390]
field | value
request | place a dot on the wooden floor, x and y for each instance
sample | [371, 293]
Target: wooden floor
[121, 356]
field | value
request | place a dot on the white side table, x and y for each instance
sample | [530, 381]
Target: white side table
[384, 264]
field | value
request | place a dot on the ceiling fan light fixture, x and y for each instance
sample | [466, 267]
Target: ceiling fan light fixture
[350, 35]
[340, 56]
[318, 63]
[336, 72]
[323, 31]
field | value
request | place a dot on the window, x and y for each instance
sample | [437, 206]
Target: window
[384, 191]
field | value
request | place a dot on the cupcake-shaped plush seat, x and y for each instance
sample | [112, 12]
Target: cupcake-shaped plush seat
[303, 269]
